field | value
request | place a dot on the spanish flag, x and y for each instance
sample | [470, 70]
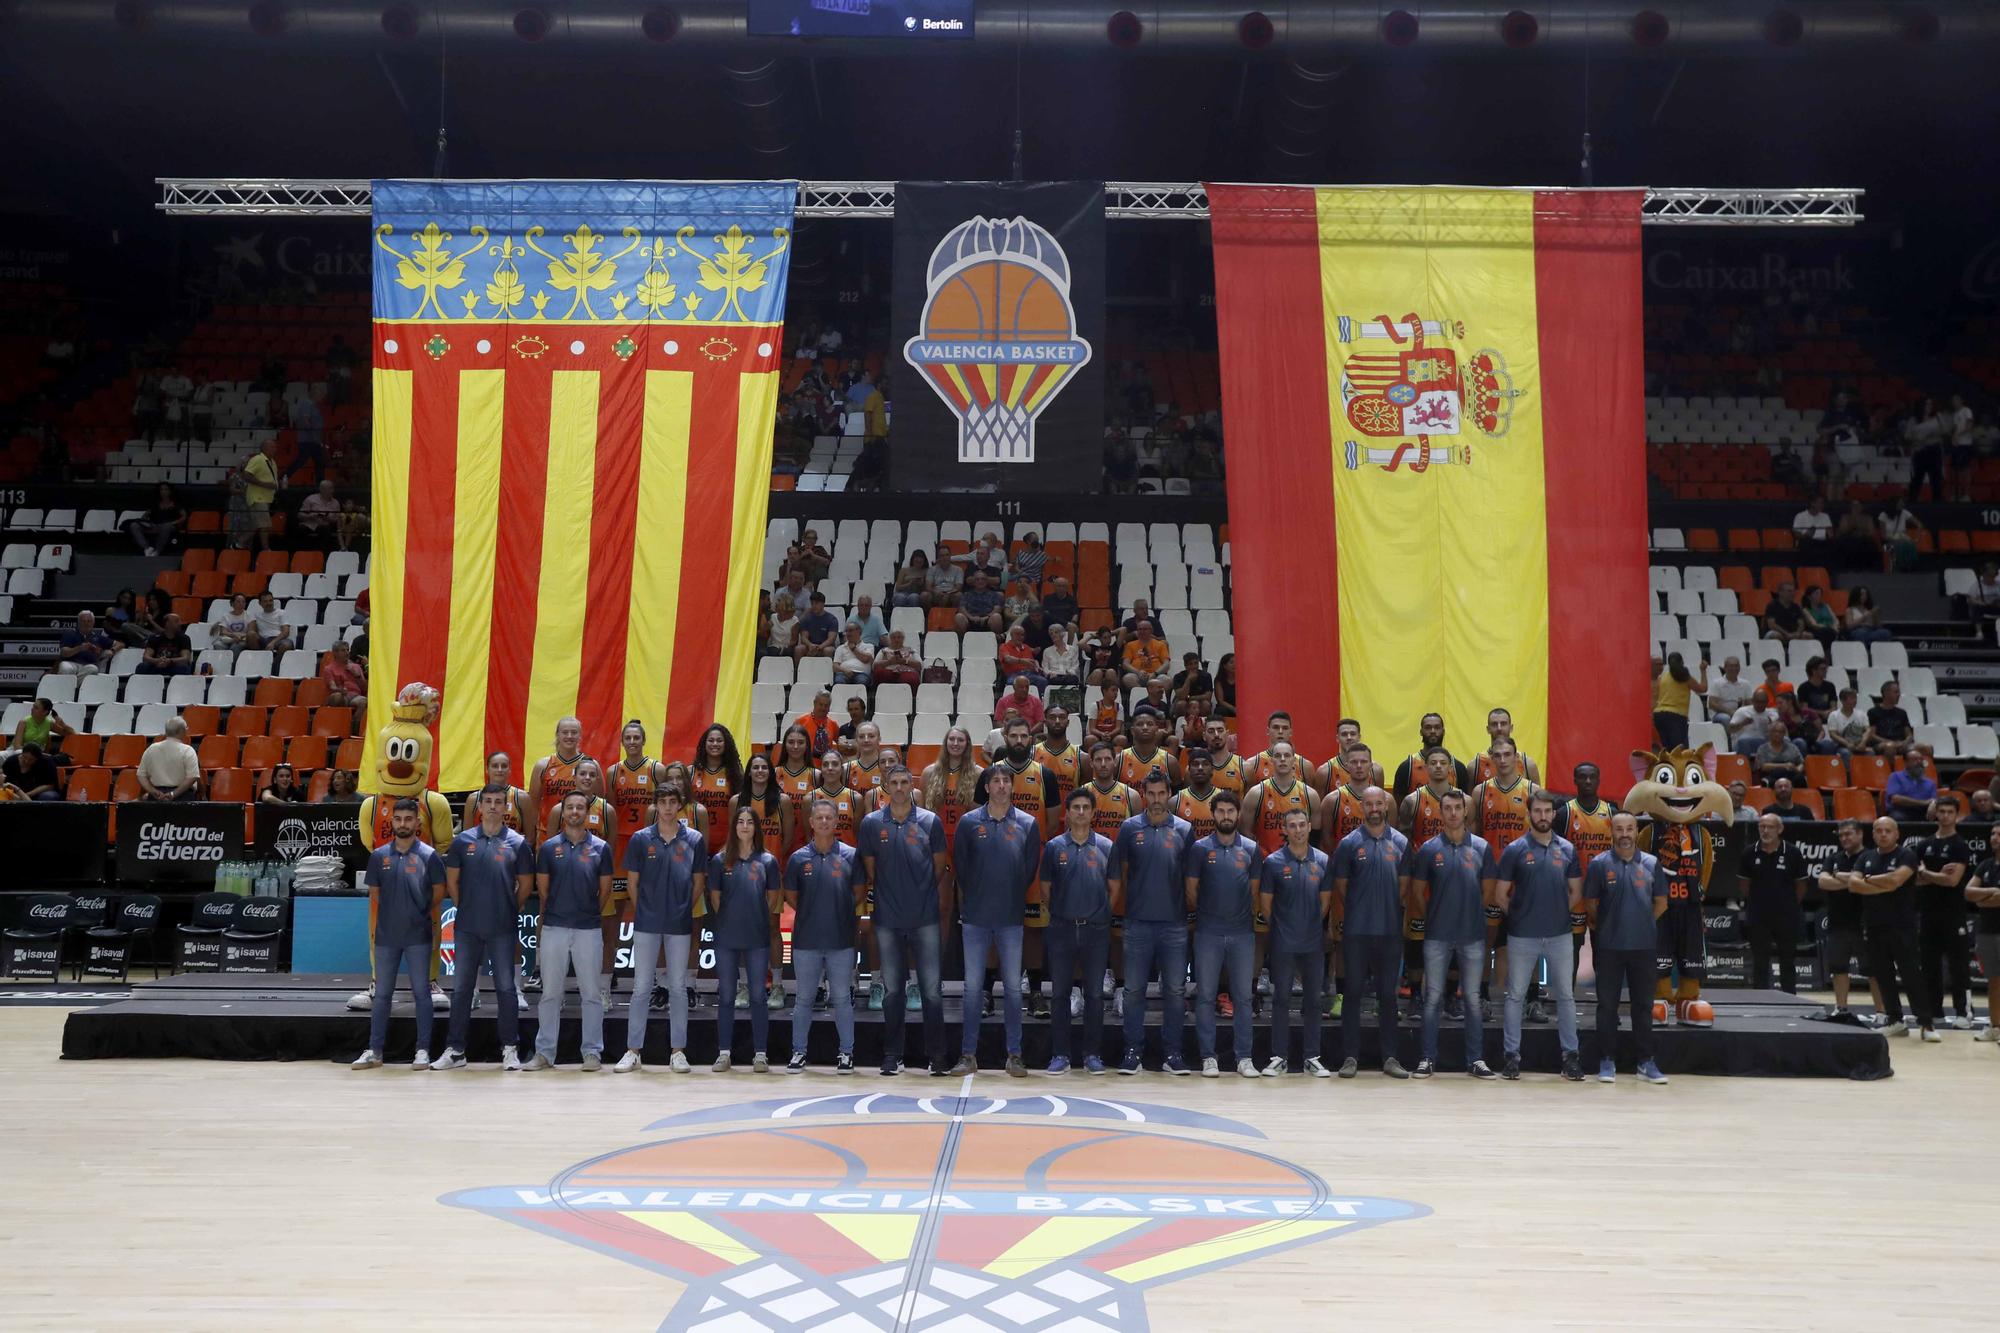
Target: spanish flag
[575, 385]
[1437, 483]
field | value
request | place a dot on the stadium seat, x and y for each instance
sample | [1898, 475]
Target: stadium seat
[250, 721]
[1826, 772]
[288, 721]
[337, 723]
[272, 692]
[1732, 767]
[90, 784]
[304, 753]
[84, 748]
[112, 719]
[1870, 772]
[260, 752]
[312, 693]
[125, 787]
[202, 719]
[232, 784]
[1854, 803]
[219, 751]
[349, 756]
[124, 751]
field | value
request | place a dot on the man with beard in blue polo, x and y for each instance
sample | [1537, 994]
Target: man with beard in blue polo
[1152, 897]
[1076, 878]
[1444, 882]
[1538, 883]
[487, 875]
[996, 850]
[1367, 882]
[1222, 869]
[901, 846]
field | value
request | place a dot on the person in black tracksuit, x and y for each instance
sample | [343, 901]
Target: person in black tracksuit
[1889, 920]
[1943, 939]
[1774, 884]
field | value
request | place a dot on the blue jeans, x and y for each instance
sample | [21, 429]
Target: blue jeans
[900, 950]
[1361, 956]
[469, 953]
[558, 949]
[755, 963]
[1310, 967]
[837, 966]
[1076, 956]
[645, 965]
[417, 958]
[1147, 943]
[1522, 955]
[1212, 949]
[1471, 964]
[1006, 941]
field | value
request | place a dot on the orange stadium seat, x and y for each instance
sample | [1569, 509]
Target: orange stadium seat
[1731, 767]
[249, 721]
[83, 748]
[218, 751]
[1736, 578]
[90, 784]
[1770, 576]
[1744, 539]
[232, 562]
[273, 692]
[308, 562]
[262, 752]
[1754, 602]
[1870, 772]
[1758, 797]
[271, 562]
[291, 720]
[189, 609]
[1703, 539]
[312, 692]
[205, 520]
[197, 558]
[333, 723]
[1986, 541]
[1825, 772]
[174, 582]
[1854, 803]
[349, 756]
[201, 719]
[124, 751]
[1813, 576]
[305, 753]
[126, 786]
[231, 784]
[1777, 539]
[209, 584]
[320, 783]
[1955, 541]
[249, 584]
[1811, 799]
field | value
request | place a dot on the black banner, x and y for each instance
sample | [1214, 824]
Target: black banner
[289, 832]
[52, 843]
[176, 841]
[998, 317]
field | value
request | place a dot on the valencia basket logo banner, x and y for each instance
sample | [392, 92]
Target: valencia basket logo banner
[999, 316]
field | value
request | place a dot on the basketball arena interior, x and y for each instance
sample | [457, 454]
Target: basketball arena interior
[976, 665]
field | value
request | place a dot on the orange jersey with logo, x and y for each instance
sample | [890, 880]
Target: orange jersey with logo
[712, 793]
[1031, 790]
[1346, 812]
[1113, 807]
[632, 797]
[1590, 831]
[1273, 806]
[1067, 767]
[849, 806]
[796, 785]
[1133, 770]
[1427, 820]
[771, 817]
[1503, 815]
[1196, 811]
[1229, 774]
[558, 781]
[867, 777]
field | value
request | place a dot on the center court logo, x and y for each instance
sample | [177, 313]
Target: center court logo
[886, 1211]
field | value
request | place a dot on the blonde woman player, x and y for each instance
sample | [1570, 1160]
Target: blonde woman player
[554, 777]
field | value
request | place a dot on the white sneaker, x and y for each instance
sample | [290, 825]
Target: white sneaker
[1246, 1069]
[1209, 1068]
[592, 1062]
[627, 1064]
[1988, 1034]
[679, 1063]
[423, 1060]
[760, 1064]
[1896, 1030]
[539, 1062]
[1317, 1067]
[1276, 1067]
[361, 1001]
[449, 1060]
[367, 1060]
[440, 1002]
[1932, 1034]
[510, 1059]
[721, 1065]
[1962, 1022]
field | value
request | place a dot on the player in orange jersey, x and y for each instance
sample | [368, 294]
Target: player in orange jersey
[1261, 766]
[1145, 755]
[1059, 757]
[500, 772]
[1225, 766]
[554, 778]
[718, 776]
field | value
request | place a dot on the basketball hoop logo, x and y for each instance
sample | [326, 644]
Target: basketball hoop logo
[881, 1211]
[998, 337]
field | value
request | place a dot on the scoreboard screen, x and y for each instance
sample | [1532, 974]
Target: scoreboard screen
[861, 18]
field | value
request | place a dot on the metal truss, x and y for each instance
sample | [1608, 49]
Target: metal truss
[1123, 200]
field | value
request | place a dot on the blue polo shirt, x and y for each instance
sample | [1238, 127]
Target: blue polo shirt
[1373, 869]
[1539, 907]
[896, 857]
[488, 873]
[1151, 858]
[573, 869]
[1624, 892]
[824, 885]
[664, 870]
[1295, 884]
[402, 882]
[1455, 873]
[1223, 878]
[1076, 876]
[993, 863]
[742, 898]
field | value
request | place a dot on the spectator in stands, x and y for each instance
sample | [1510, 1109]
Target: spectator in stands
[1863, 622]
[1738, 796]
[1784, 618]
[1020, 701]
[988, 556]
[1672, 690]
[1982, 808]
[1157, 701]
[859, 392]
[1101, 659]
[234, 628]
[1812, 527]
[1805, 726]
[1204, 467]
[1783, 805]
[1844, 421]
[1107, 723]
[284, 788]
[1819, 616]
[170, 652]
[979, 605]
[353, 525]
[897, 663]
[1847, 725]
[1778, 757]
[1858, 541]
[1816, 692]
[319, 519]
[1018, 658]
[847, 739]
[1031, 560]
[864, 614]
[1889, 730]
[1121, 462]
[28, 774]
[1984, 599]
[40, 727]
[1019, 602]
[342, 788]
[170, 770]
[1193, 688]
[256, 481]
[201, 411]
[1059, 603]
[347, 683]
[1034, 625]
[1141, 610]
[1225, 686]
[1900, 529]
[818, 723]
[155, 530]
[118, 616]
[808, 557]
[85, 649]
[149, 619]
[784, 621]
[1774, 683]
[1749, 724]
[1959, 434]
[792, 584]
[944, 581]
[1146, 658]
[269, 623]
[853, 659]
[175, 390]
[1910, 789]
[146, 409]
[1924, 433]
[309, 430]
[818, 632]
[1062, 661]
[911, 580]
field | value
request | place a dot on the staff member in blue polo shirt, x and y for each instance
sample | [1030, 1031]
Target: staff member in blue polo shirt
[1151, 896]
[1624, 893]
[573, 877]
[1538, 884]
[995, 852]
[1076, 878]
[1444, 882]
[668, 863]
[901, 846]
[487, 874]
[824, 887]
[1367, 884]
[406, 881]
[1221, 874]
[1295, 887]
[743, 885]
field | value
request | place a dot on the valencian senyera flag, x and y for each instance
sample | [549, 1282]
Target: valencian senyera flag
[574, 390]
[1437, 486]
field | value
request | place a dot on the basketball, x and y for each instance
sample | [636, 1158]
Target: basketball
[998, 300]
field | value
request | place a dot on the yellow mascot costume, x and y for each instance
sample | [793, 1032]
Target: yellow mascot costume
[1675, 789]
[403, 768]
